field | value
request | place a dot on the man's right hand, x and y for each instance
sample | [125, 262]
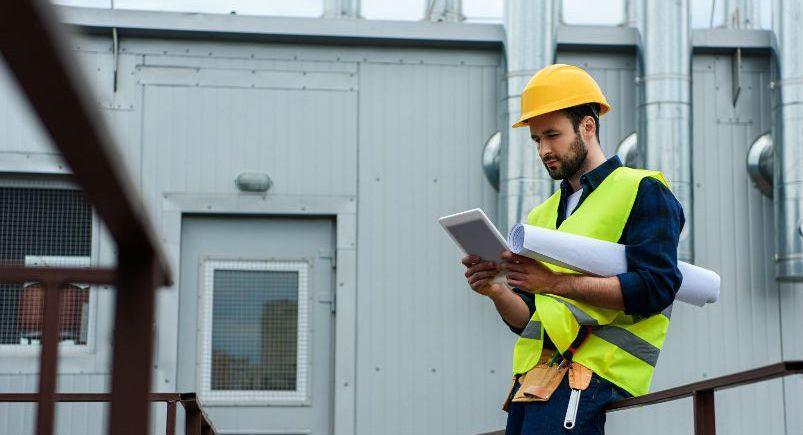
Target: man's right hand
[480, 274]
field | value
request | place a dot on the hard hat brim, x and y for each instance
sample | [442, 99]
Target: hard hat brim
[560, 105]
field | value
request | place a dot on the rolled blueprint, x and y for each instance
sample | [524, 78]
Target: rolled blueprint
[601, 258]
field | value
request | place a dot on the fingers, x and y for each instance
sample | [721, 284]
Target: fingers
[470, 260]
[480, 268]
[516, 276]
[521, 285]
[480, 276]
[507, 255]
[522, 259]
[507, 265]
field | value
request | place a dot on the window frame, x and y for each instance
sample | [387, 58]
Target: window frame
[62, 182]
[299, 397]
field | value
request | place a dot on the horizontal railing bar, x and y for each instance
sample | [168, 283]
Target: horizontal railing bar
[84, 397]
[189, 401]
[765, 373]
[57, 275]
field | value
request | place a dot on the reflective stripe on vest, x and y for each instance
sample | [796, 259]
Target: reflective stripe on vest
[621, 348]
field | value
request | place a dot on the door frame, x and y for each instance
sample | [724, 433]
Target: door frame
[342, 208]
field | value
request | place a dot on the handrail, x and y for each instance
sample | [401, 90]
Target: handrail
[196, 420]
[703, 393]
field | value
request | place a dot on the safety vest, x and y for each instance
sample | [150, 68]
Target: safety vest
[621, 348]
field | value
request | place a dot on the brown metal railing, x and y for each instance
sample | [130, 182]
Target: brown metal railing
[34, 48]
[702, 393]
[195, 420]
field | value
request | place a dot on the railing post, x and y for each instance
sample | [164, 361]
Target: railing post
[133, 343]
[170, 426]
[48, 358]
[704, 413]
[193, 418]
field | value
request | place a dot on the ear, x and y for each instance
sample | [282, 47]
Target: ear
[588, 128]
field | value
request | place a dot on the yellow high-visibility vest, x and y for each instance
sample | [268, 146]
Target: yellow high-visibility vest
[622, 348]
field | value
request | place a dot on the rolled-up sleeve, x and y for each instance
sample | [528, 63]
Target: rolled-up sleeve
[528, 299]
[651, 240]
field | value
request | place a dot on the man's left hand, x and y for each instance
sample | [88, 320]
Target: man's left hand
[527, 274]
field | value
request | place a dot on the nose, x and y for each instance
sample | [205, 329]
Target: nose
[543, 149]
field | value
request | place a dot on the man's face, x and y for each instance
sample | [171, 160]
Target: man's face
[561, 149]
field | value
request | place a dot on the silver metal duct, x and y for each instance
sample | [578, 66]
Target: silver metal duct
[665, 106]
[341, 8]
[741, 14]
[788, 184]
[530, 45]
[761, 163]
[490, 159]
[444, 10]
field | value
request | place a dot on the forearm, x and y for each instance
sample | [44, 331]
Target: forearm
[511, 307]
[605, 292]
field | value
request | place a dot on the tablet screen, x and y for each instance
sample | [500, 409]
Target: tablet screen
[475, 234]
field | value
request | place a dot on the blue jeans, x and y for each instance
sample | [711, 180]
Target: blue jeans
[546, 418]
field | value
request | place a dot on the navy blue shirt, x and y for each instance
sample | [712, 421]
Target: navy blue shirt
[650, 237]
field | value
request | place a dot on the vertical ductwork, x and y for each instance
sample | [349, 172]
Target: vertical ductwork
[788, 138]
[341, 8]
[665, 104]
[444, 10]
[530, 45]
[741, 14]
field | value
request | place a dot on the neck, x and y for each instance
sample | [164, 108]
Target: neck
[593, 159]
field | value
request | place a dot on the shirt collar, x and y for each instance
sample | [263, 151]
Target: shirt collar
[593, 178]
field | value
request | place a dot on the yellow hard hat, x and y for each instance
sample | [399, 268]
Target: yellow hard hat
[559, 87]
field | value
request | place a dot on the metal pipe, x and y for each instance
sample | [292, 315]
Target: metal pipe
[741, 14]
[341, 8]
[788, 184]
[530, 28]
[665, 106]
[445, 10]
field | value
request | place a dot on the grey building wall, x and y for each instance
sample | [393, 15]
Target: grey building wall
[401, 130]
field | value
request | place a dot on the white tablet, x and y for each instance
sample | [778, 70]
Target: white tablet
[475, 234]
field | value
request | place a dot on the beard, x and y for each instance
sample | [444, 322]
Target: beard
[570, 162]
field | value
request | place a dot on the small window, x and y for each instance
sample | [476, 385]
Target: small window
[254, 331]
[43, 226]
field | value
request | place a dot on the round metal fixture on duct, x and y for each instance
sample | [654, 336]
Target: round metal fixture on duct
[253, 182]
[759, 163]
[628, 151]
[490, 159]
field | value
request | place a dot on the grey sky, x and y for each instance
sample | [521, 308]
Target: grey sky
[605, 12]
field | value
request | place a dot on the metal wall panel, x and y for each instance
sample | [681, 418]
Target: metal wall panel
[616, 75]
[734, 227]
[432, 356]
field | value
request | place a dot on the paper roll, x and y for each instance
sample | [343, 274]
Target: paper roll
[600, 258]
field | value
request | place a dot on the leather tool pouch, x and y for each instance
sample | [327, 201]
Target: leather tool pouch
[579, 376]
[539, 383]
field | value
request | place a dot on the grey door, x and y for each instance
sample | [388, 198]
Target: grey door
[256, 321]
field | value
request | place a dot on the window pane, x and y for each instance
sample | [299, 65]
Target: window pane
[483, 11]
[254, 330]
[604, 12]
[43, 227]
[393, 10]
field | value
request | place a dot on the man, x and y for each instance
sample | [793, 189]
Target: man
[605, 332]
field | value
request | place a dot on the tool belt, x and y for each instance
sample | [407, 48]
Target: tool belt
[538, 384]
